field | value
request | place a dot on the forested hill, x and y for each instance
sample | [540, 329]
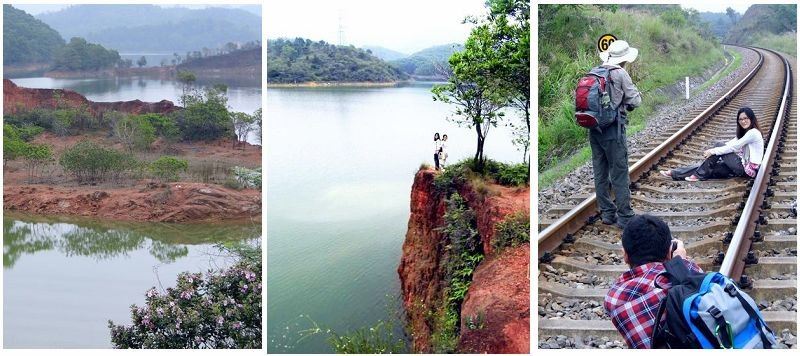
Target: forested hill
[27, 40]
[155, 28]
[302, 60]
[770, 26]
[425, 62]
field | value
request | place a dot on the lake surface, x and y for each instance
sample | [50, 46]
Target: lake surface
[64, 278]
[341, 166]
[242, 96]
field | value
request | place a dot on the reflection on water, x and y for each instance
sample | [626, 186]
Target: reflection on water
[64, 278]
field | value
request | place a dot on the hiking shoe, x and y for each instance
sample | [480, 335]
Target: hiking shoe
[692, 178]
[609, 220]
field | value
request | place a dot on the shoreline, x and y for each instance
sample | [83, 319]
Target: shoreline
[338, 84]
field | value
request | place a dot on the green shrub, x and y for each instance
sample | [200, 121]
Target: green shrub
[90, 162]
[513, 231]
[514, 174]
[28, 132]
[135, 132]
[206, 115]
[168, 168]
[464, 253]
[250, 178]
[233, 183]
[164, 126]
[35, 156]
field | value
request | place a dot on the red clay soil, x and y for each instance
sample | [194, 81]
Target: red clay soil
[189, 202]
[16, 98]
[498, 303]
[422, 272]
[181, 202]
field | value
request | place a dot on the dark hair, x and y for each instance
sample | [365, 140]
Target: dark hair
[443, 136]
[436, 136]
[740, 131]
[646, 239]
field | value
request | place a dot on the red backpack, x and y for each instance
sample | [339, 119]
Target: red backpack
[593, 105]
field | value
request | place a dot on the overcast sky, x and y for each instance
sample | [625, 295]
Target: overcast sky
[35, 9]
[406, 26]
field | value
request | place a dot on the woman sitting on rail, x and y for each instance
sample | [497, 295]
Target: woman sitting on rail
[739, 157]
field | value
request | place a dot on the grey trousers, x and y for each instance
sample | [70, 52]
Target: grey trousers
[610, 165]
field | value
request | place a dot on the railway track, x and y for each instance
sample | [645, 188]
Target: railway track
[741, 227]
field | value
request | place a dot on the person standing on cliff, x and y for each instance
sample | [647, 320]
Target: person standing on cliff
[437, 147]
[443, 151]
[609, 146]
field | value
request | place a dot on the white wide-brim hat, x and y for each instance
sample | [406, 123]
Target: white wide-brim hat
[618, 52]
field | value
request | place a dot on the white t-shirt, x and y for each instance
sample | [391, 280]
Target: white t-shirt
[751, 146]
[436, 145]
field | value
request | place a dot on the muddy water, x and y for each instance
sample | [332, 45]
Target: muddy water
[64, 278]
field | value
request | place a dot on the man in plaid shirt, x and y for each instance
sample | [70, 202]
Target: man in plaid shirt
[633, 300]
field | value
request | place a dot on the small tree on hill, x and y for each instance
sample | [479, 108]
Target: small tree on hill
[141, 62]
[476, 93]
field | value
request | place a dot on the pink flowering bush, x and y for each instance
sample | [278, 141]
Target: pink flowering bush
[221, 309]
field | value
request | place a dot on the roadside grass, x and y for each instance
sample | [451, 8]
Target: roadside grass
[786, 43]
[667, 53]
[736, 63]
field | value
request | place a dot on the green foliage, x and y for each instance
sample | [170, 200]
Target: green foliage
[163, 126]
[376, 339]
[514, 175]
[301, 60]
[81, 55]
[464, 253]
[90, 162]
[762, 20]
[13, 145]
[27, 39]
[513, 231]
[249, 178]
[221, 309]
[786, 42]
[135, 132]
[168, 168]
[567, 50]
[205, 116]
[141, 62]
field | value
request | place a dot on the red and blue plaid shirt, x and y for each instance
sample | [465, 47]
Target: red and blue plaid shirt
[633, 301]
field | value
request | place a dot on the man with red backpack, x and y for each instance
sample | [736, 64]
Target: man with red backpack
[603, 99]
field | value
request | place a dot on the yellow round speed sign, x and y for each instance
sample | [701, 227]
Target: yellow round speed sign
[605, 41]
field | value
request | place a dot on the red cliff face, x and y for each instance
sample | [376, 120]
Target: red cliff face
[499, 292]
[17, 98]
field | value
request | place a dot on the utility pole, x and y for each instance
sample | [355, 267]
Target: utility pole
[341, 30]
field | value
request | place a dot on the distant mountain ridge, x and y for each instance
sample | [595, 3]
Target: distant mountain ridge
[425, 62]
[385, 53]
[153, 28]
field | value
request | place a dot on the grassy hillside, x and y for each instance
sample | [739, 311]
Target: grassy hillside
[27, 40]
[424, 62]
[301, 60]
[770, 26]
[670, 48]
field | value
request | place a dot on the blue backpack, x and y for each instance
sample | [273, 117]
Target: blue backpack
[593, 104]
[708, 310]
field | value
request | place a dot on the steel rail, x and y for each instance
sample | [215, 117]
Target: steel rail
[734, 262]
[552, 236]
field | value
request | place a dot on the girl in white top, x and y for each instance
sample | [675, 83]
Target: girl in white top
[443, 151]
[739, 157]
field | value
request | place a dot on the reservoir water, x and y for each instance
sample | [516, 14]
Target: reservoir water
[64, 277]
[341, 166]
